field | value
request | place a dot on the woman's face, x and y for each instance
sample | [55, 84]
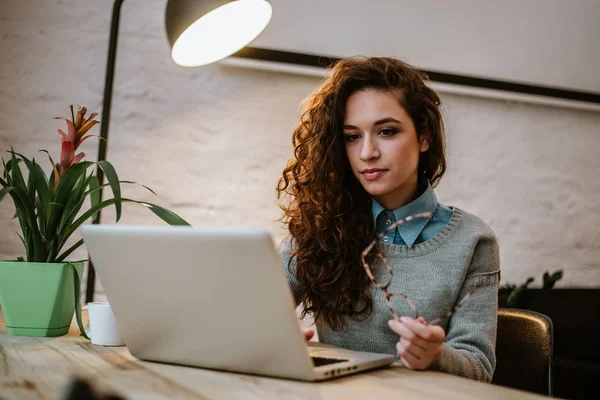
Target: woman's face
[382, 147]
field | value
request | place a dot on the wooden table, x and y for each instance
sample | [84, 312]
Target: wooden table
[41, 368]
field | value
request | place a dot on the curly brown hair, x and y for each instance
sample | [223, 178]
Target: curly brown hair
[329, 213]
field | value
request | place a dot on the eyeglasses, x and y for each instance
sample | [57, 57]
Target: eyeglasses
[384, 287]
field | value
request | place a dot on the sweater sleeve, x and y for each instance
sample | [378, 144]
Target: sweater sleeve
[289, 266]
[469, 349]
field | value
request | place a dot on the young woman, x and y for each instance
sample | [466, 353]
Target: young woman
[367, 153]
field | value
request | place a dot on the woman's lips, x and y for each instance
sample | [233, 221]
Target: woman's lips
[372, 174]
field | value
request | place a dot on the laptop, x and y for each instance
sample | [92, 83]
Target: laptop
[214, 298]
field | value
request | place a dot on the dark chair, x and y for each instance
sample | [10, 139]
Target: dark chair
[524, 351]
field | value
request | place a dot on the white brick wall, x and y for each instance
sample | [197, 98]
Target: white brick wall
[212, 141]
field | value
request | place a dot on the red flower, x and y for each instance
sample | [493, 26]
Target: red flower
[77, 127]
[68, 157]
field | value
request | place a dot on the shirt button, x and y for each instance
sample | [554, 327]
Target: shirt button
[388, 222]
[386, 239]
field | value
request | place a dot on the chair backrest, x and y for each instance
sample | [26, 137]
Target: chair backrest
[524, 351]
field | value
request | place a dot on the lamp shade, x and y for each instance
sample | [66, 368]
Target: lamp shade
[204, 31]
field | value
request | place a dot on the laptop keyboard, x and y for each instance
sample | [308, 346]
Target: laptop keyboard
[319, 361]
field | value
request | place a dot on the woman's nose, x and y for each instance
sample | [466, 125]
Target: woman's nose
[369, 150]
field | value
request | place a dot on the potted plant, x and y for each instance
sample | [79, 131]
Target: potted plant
[513, 296]
[40, 291]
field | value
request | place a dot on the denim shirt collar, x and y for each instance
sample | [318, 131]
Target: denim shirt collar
[410, 231]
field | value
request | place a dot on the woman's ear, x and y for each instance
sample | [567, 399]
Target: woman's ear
[424, 141]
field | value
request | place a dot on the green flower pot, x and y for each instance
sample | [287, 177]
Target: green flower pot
[38, 299]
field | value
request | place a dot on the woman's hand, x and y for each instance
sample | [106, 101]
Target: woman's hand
[419, 344]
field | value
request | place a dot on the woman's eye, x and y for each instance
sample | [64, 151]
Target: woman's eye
[388, 132]
[351, 137]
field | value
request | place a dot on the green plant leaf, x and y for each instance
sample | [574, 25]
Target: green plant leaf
[70, 177]
[4, 170]
[8, 168]
[44, 197]
[557, 275]
[528, 281]
[16, 175]
[166, 215]
[513, 298]
[68, 252]
[28, 220]
[19, 206]
[5, 191]
[40, 181]
[61, 239]
[93, 192]
[63, 192]
[515, 295]
[51, 179]
[113, 180]
[41, 173]
[74, 203]
[52, 250]
[72, 208]
[550, 280]
[31, 186]
[97, 189]
[24, 243]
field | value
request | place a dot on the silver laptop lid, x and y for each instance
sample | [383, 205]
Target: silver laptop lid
[208, 297]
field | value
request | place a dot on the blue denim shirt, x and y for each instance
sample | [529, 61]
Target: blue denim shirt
[418, 230]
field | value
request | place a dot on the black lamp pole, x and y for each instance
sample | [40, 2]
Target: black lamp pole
[179, 15]
[104, 123]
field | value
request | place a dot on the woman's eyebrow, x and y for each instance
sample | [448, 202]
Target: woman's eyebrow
[386, 120]
[378, 122]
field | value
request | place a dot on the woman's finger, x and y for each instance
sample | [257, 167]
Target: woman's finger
[429, 333]
[403, 330]
[409, 361]
[414, 349]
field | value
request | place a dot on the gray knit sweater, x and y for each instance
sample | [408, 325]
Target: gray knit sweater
[435, 274]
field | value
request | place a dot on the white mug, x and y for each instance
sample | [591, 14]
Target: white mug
[102, 325]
